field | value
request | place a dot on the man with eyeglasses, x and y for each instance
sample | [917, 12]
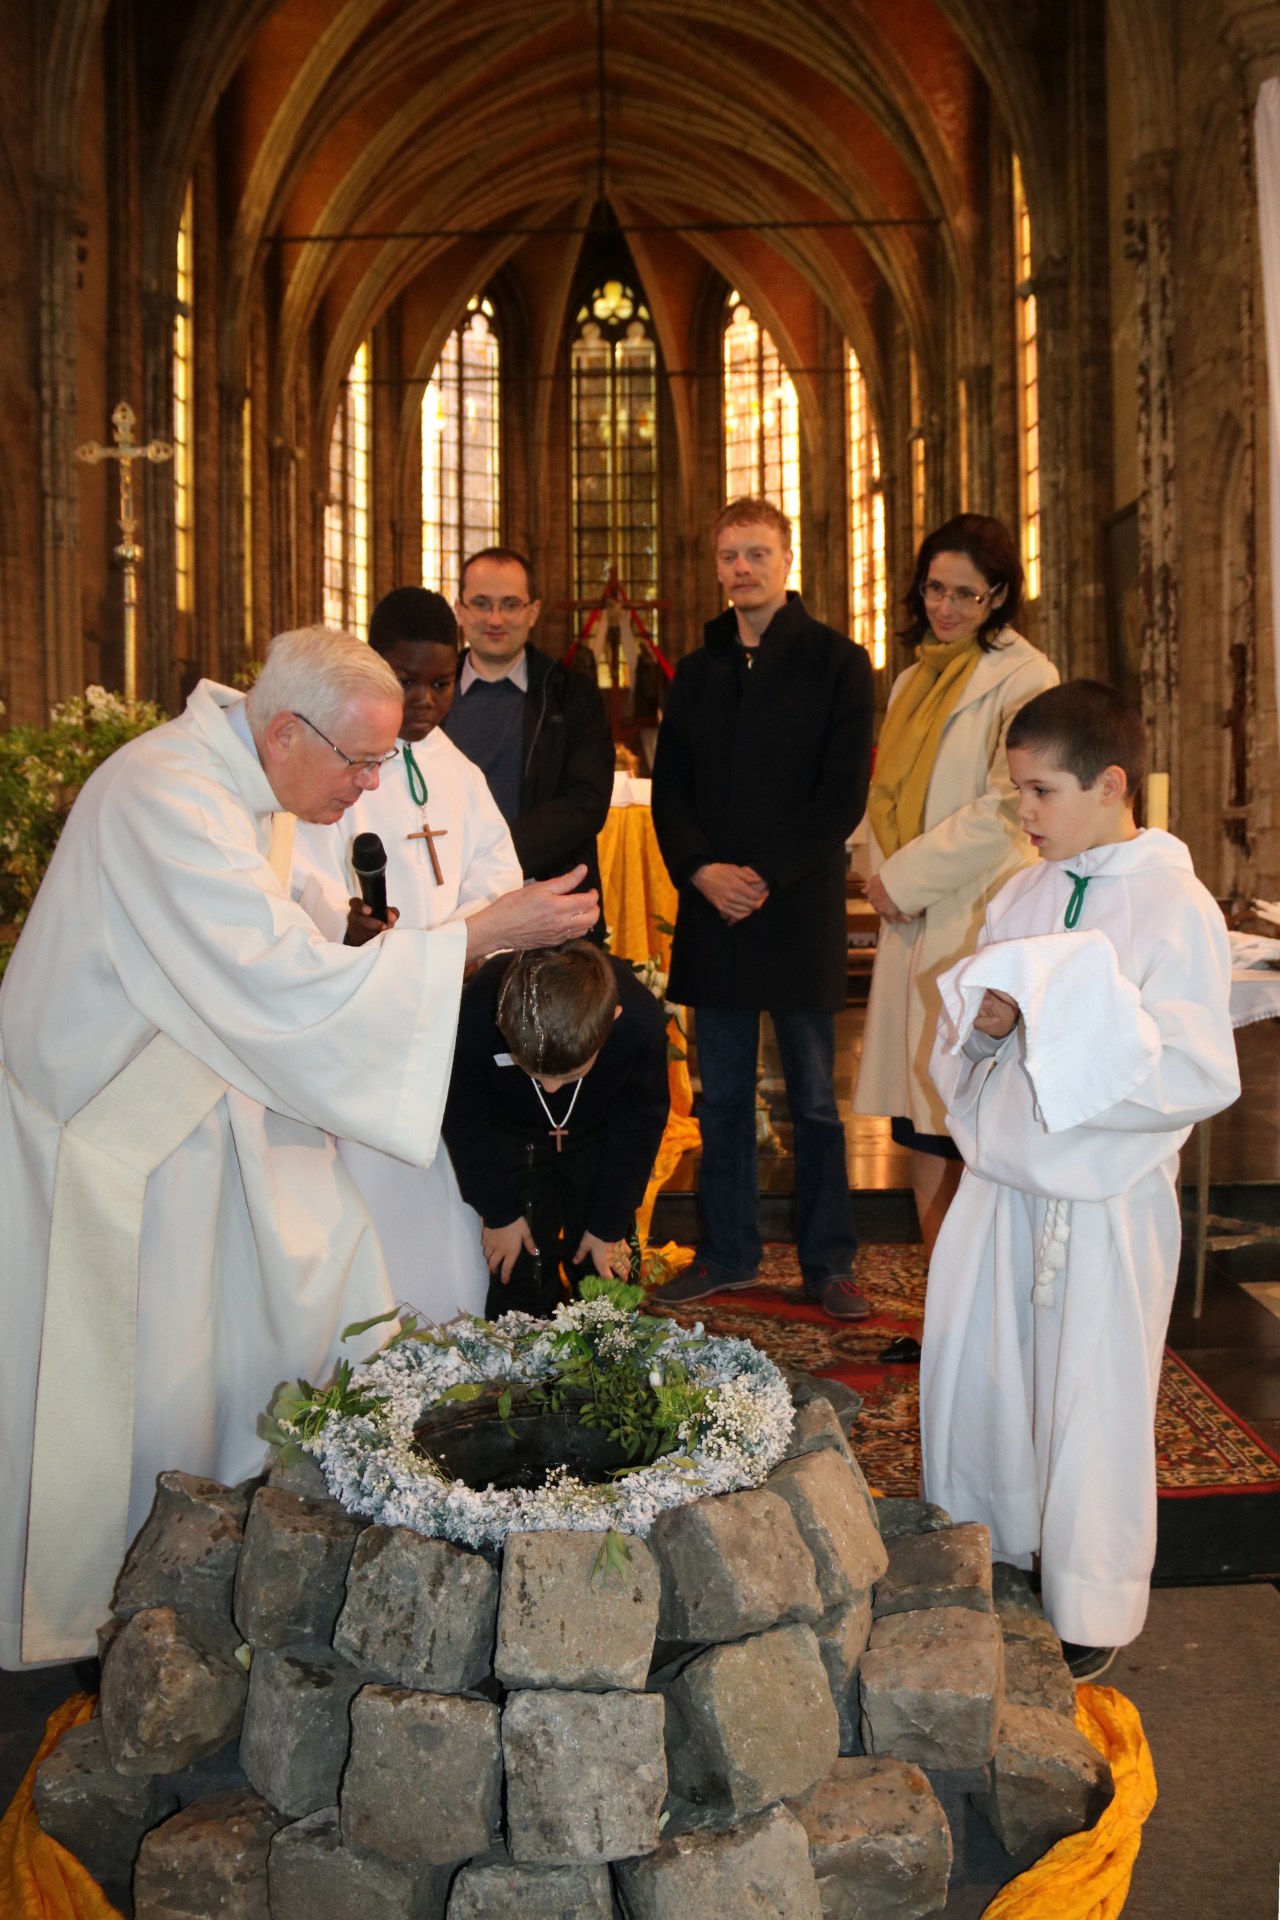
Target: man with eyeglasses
[538, 732]
[179, 1045]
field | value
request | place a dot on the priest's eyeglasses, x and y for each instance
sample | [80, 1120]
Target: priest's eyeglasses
[963, 599]
[368, 765]
[508, 608]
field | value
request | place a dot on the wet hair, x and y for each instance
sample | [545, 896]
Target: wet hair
[510, 556]
[1084, 726]
[989, 546]
[750, 510]
[318, 671]
[412, 613]
[556, 1006]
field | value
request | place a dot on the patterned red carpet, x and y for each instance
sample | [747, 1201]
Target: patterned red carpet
[1202, 1448]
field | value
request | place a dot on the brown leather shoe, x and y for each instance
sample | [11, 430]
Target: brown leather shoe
[840, 1298]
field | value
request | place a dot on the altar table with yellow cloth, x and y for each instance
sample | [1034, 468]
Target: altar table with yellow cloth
[638, 902]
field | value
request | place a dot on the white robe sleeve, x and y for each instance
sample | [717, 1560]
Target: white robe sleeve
[991, 1105]
[357, 1041]
[492, 867]
[319, 881]
[1187, 995]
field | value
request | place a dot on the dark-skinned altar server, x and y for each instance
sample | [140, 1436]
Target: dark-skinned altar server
[449, 851]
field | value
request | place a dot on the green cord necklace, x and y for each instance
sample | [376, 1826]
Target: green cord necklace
[417, 785]
[418, 794]
[1079, 881]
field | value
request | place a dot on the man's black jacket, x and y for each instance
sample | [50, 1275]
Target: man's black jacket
[568, 772]
[765, 767]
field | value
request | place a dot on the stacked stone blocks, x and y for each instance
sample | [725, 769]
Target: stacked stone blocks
[769, 1702]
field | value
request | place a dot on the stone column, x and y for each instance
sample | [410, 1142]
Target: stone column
[282, 469]
[1251, 30]
[230, 656]
[1150, 224]
[60, 620]
[982, 452]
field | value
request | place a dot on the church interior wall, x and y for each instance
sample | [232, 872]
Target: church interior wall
[1121, 133]
[305, 119]
[21, 667]
[99, 584]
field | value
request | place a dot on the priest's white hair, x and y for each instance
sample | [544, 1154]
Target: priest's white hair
[318, 671]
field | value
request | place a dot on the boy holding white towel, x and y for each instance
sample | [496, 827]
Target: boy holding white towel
[1075, 1052]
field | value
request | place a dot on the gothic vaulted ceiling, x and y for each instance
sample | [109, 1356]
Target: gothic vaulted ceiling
[824, 155]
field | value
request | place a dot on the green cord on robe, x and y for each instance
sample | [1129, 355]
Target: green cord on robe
[1079, 881]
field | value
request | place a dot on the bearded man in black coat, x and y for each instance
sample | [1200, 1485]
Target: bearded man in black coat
[760, 776]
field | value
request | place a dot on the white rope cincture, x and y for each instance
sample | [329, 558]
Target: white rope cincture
[1051, 1255]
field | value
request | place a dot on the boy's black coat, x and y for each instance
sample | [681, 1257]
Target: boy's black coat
[493, 1118]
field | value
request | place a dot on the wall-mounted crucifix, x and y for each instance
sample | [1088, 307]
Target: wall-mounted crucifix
[128, 553]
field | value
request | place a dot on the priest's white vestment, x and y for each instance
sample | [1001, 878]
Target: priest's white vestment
[1038, 1420]
[179, 1043]
[430, 1237]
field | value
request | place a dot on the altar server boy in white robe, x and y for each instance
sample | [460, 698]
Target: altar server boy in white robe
[1075, 1052]
[449, 852]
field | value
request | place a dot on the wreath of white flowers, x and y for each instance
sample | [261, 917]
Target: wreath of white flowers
[370, 1464]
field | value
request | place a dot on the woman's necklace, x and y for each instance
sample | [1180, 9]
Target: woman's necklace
[557, 1132]
[418, 794]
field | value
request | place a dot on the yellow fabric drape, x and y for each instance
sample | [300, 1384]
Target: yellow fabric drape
[638, 901]
[1086, 1876]
[910, 737]
[39, 1880]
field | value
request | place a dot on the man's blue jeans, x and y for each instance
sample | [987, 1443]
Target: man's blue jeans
[728, 1185]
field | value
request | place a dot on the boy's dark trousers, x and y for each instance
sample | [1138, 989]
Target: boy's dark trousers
[558, 1197]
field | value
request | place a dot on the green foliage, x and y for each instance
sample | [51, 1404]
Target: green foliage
[642, 1404]
[612, 1558]
[618, 1292]
[41, 771]
[301, 1411]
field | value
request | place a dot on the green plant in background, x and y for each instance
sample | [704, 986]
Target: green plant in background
[42, 769]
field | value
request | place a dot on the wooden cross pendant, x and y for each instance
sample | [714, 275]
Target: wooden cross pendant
[431, 835]
[558, 1134]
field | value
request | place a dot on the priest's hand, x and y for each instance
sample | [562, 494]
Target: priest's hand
[502, 1247]
[363, 923]
[998, 1014]
[878, 895]
[609, 1258]
[734, 892]
[541, 914]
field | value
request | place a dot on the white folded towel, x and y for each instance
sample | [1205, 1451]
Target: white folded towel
[1088, 1040]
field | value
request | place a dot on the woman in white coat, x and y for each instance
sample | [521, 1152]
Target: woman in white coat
[944, 835]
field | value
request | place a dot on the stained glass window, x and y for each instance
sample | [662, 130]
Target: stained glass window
[916, 443]
[346, 513]
[460, 482]
[761, 420]
[183, 362]
[868, 580]
[614, 367]
[1028, 387]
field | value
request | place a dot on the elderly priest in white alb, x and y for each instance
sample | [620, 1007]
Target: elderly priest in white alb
[179, 1044]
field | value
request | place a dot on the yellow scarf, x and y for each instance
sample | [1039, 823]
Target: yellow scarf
[910, 738]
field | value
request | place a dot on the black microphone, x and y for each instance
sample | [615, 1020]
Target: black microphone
[369, 859]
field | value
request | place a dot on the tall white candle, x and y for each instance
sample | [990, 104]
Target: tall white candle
[1158, 801]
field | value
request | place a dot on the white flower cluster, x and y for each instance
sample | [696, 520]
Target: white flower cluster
[370, 1464]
